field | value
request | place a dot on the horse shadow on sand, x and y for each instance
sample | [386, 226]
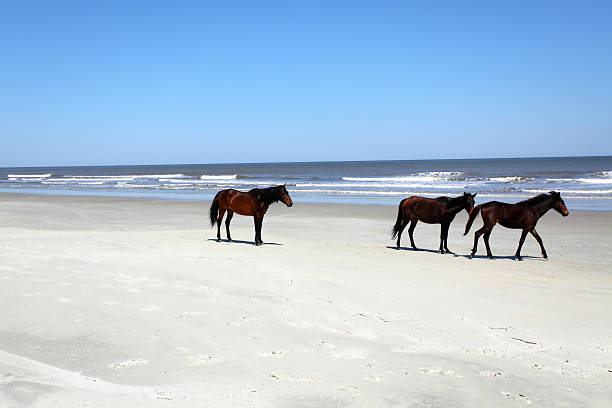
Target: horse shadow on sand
[238, 241]
[467, 256]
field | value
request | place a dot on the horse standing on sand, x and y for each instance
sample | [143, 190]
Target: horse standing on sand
[254, 202]
[441, 210]
[524, 214]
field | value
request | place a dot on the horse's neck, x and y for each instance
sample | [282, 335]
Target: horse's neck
[454, 207]
[542, 208]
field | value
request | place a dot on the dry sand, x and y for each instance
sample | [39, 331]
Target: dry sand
[116, 302]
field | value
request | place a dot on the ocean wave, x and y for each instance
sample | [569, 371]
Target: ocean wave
[391, 179]
[60, 182]
[29, 175]
[125, 176]
[221, 182]
[582, 180]
[102, 179]
[220, 177]
[569, 191]
[509, 179]
[374, 185]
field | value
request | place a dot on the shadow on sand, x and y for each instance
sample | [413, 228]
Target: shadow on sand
[237, 241]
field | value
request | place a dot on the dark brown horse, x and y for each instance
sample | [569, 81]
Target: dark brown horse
[522, 215]
[441, 210]
[254, 202]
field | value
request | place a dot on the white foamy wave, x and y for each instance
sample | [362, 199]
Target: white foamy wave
[102, 179]
[127, 185]
[221, 182]
[52, 182]
[582, 180]
[507, 179]
[221, 177]
[28, 175]
[372, 185]
[391, 179]
[538, 191]
[128, 176]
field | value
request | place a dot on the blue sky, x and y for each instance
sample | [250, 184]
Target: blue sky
[87, 83]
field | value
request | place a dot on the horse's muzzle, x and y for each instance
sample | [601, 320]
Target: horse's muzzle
[290, 205]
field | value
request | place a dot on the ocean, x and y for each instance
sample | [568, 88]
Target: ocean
[584, 182]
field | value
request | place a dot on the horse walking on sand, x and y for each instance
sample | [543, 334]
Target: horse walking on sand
[522, 215]
[254, 202]
[441, 210]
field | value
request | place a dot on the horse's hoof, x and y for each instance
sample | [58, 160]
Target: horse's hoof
[218, 239]
[229, 240]
[545, 256]
[518, 258]
[491, 257]
[415, 248]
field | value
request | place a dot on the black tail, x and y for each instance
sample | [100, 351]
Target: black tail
[400, 219]
[471, 218]
[214, 211]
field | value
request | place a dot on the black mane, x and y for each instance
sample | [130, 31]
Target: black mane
[535, 200]
[268, 195]
[452, 202]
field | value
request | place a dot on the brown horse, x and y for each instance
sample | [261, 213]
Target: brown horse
[254, 202]
[524, 215]
[441, 210]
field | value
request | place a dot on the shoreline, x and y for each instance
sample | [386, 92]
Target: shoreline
[377, 202]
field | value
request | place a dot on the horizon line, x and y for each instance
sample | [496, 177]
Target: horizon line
[311, 161]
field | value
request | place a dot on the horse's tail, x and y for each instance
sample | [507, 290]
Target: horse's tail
[214, 210]
[400, 219]
[471, 218]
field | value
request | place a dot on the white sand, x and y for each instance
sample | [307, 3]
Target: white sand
[110, 302]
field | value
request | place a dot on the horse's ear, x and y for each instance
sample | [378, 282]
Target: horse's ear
[555, 194]
[474, 195]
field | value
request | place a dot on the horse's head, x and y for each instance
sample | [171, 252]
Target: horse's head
[469, 201]
[284, 196]
[559, 204]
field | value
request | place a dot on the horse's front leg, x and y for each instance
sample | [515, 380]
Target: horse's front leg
[520, 245]
[441, 238]
[537, 237]
[446, 227]
[258, 222]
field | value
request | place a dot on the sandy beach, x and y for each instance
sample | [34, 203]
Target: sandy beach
[124, 302]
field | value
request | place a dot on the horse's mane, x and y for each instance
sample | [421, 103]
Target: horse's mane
[535, 200]
[267, 195]
[452, 201]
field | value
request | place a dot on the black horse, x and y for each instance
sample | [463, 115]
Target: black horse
[441, 210]
[522, 215]
[254, 202]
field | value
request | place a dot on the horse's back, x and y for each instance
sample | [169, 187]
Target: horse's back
[428, 210]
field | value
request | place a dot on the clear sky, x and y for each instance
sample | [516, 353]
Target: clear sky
[90, 83]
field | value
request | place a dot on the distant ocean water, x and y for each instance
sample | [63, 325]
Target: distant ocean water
[585, 182]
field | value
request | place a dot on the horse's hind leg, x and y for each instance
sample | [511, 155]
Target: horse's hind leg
[486, 236]
[537, 237]
[477, 235]
[230, 214]
[413, 224]
[399, 234]
[221, 214]
[520, 245]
